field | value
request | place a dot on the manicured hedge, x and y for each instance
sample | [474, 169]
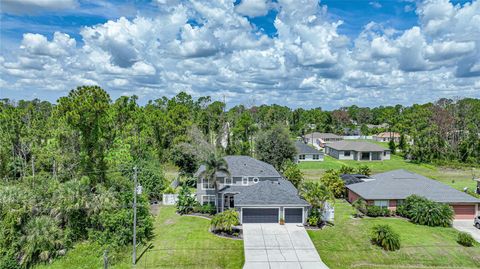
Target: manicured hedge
[376, 211]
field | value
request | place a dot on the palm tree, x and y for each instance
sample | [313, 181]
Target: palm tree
[214, 164]
[317, 195]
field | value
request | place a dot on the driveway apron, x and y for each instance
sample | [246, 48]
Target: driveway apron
[467, 226]
[275, 246]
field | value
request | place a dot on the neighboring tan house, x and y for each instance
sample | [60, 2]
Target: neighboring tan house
[321, 139]
[255, 189]
[391, 189]
[307, 153]
[357, 151]
[387, 136]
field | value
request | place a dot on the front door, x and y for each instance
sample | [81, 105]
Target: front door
[228, 201]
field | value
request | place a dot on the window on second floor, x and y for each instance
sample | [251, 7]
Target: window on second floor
[228, 181]
[207, 185]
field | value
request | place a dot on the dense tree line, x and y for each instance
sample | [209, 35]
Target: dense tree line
[66, 168]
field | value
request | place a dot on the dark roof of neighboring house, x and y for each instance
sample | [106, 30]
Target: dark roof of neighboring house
[303, 148]
[355, 146]
[323, 135]
[239, 166]
[269, 192]
[399, 184]
[353, 178]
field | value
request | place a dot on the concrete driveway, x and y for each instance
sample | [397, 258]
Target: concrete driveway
[467, 226]
[273, 246]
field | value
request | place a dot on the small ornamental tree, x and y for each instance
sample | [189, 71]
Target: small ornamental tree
[186, 202]
[384, 237]
[292, 173]
[402, 144]
[364, 170]
[346, 170]
[331, 179]
[392, 146]
[317, 195]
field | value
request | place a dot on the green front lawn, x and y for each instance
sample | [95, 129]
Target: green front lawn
[179, 242]
[185, 242]
[457, 178]
[347, 245]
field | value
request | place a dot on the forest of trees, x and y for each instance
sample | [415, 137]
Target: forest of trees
[66, 168]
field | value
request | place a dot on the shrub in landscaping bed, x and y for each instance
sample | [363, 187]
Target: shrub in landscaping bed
[426, 212]
[208, 209]
[225, 221]
[376, 211]
[361, 206]
[384, 237]
[465, 239]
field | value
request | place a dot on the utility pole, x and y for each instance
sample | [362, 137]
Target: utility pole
[134, 256]
[105, 259]
[33, 167]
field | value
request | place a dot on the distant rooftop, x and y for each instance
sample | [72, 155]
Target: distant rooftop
[317, 135]
[356, 146]
[399, 184]
[303, 148]
[388, 134]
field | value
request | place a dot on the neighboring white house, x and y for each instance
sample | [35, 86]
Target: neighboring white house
[307, 153]
[321, 139]
[357, 151]
[387, 136]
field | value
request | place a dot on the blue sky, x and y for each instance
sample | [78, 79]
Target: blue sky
[296, 53]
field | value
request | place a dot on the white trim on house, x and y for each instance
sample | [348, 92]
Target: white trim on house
[303, 213]
[230, 181]
[202, 184]
[244, 180]
[241, 211]
[209, 195]
[255, 180]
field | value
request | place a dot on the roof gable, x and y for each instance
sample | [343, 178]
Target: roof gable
[269, 192]
[245, 166]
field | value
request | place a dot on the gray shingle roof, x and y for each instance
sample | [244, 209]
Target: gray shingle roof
[303, 148]
[355, 146]
[239, 166]
[269, 192]
[399, 184]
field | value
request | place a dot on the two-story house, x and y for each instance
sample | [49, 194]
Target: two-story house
[255, 189]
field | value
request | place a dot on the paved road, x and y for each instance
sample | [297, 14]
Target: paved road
[272, 246]
[467, 226]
